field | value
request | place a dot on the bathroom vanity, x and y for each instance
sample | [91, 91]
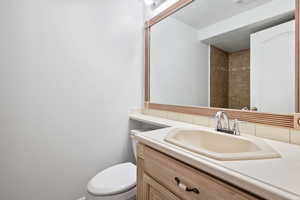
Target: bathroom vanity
[168, 171]
[163, 177]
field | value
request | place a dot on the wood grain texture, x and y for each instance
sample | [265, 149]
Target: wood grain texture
[286, 121]
[147, 63]
[273, 119]
[169, 11]
[164, 169]
[155, 191]
[297, 65]
[140, 172]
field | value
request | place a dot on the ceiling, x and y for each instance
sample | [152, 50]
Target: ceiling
[202, 13]
[240, 39]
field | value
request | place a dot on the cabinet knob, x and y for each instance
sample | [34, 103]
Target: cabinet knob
[184, 187]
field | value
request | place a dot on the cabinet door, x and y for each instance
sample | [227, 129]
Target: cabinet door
[165, 170]
[273, 69]
[154, 191]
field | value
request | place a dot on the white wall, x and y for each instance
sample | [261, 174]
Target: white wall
[179, 65]
[69, 72]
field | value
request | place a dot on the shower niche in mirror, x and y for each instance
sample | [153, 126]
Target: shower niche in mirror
[226, 54]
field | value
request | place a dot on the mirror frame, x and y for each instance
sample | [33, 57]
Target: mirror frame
[282, 120]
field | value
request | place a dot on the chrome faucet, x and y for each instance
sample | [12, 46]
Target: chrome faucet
[222, 116]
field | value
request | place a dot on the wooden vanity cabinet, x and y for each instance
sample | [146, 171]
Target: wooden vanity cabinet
[152, 190]
[161, 177]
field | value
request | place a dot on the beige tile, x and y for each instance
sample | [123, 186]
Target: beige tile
[186, 118]
[146, 111]
[274, 133]
[201, 120]
[136, 111]
[247, 128]
[295, 136]
[157, 113]
[173, 116]
[212, 122]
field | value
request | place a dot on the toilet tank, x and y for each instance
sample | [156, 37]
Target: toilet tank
[134, 132]
[134, 141]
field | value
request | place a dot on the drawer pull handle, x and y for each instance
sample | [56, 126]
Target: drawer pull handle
[184, 187]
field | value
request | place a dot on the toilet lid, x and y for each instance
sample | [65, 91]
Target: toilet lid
[114, 180]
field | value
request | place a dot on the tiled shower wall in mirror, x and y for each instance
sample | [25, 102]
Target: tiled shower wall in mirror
[229, 78]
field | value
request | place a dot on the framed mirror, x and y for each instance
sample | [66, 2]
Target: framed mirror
[241, 56]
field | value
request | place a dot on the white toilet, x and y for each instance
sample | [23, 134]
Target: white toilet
[117, 182]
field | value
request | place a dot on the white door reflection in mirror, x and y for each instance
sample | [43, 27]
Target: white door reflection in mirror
[273, 69]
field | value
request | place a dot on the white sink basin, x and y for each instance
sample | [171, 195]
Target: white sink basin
[221, 146]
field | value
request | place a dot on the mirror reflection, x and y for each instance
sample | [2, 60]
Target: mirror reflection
[237, 54]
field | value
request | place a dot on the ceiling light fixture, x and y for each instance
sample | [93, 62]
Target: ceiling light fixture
[239, 1]
[244, 1]
[154, 3]
[149, 2]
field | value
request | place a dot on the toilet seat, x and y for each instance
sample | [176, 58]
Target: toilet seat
[113, 180]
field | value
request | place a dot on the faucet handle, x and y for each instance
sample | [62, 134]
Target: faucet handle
[218, 118]
[236, 127]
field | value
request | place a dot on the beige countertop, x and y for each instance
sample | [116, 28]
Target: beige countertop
[274, 179]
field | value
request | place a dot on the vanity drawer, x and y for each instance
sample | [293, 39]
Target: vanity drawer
[177, 177]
